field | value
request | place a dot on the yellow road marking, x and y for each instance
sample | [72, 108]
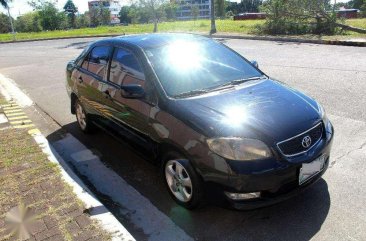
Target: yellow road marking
[18, 117]
[12, 108]
[14, 114]
[23, 126]
[12, 111]
[20, 122]
[34, 132]
[8, 105]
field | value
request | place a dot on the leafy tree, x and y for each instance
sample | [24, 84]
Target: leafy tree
[195, 12]
[250, 6]
[71, 10]
[48, 14]
[123, 15]
[100, 16]
[170, 9]
[154, 9]
[4, 3]
[4, 24]
[28, 22]
[220, 8]
[299, 17]
[83, 20]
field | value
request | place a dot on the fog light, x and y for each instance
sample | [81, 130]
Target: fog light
[242, 196]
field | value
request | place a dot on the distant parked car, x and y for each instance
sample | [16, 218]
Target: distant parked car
[204, 113]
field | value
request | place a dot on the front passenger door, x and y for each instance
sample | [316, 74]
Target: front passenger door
[125, 69]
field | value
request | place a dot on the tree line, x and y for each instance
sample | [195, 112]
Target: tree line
[283, 16]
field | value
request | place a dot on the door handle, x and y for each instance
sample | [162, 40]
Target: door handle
[80, 79]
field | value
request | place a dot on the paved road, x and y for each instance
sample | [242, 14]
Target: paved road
[333, 209]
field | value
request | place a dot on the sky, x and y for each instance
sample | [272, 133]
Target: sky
[21, 6]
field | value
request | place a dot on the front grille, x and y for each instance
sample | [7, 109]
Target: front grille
[294, 145]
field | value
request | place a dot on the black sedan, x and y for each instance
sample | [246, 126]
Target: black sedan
[205, 114]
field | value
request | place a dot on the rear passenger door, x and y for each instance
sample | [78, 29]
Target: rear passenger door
[92, 82]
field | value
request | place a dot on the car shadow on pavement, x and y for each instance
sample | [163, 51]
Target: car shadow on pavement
[299, 218]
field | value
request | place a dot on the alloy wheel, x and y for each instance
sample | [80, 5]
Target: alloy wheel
[81, 116]
[179, 181]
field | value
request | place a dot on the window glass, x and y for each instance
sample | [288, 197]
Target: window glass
[98, 60]
[84, 65]
[185, 66]
[125, 68]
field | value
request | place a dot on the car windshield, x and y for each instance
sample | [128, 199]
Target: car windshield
[198, 66]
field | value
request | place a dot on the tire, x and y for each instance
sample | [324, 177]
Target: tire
[183, 183]
[83, 118]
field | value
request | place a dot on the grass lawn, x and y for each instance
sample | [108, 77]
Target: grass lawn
[202, 26]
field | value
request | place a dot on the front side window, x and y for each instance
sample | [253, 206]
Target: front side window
[188, 65]
[98, 60]
[125, 68]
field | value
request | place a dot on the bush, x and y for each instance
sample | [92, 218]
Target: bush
[28, 22]
[4, 24]
[298, 17]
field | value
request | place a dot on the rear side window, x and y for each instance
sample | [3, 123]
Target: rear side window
[125, 68]
[98, 60]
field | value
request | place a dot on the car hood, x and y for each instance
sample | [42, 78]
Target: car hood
[265, 109]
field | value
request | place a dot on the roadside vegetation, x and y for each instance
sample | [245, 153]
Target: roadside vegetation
[308, 18]
[247, 27]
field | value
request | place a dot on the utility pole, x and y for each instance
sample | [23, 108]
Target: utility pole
[11, 24]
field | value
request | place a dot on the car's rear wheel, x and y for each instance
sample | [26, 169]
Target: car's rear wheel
[82, 118]
[183, 183]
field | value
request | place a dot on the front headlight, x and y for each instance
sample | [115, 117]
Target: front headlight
[241, 149]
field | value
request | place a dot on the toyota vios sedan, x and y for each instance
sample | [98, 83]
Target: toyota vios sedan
[205, 114]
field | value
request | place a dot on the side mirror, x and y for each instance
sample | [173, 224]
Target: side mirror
[132, 91]
[254, 63]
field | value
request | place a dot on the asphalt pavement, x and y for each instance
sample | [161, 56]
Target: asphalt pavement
[333, 209]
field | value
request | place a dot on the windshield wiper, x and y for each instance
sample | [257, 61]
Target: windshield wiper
[191, 93]
[232, 83]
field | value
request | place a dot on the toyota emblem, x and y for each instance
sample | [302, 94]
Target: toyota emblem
[306, 141]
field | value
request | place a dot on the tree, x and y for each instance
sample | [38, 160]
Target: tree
[83, 20]
[123, 15]
[170, 9]
[28, 22]
[4, 24]
[4, 3]
[49, 15]
[213, 24]
[220, 8]
[154, 8]
[71, 10]
[299, 17]
[100, 16]
[195, 12]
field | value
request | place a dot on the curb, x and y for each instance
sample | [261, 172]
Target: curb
[98, 211]
[249, 37]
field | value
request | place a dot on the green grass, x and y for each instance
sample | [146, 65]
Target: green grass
[201, 26]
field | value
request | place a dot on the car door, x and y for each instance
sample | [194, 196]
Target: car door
[92, 80]
[133, 114]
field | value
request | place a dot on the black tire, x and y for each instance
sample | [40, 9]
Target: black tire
[87, 127]
[197, 192]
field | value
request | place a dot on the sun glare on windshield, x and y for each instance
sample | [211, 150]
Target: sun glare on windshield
[184, 55]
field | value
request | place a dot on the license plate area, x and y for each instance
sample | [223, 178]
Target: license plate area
[309, 170]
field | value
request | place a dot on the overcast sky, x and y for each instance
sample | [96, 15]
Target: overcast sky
[21, 6]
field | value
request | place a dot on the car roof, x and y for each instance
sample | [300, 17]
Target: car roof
[147, 41]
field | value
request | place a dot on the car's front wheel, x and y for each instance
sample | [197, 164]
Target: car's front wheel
[183, 183]
[83, 120]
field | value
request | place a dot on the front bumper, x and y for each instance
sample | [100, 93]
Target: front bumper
[276, 181]
[286, 191]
